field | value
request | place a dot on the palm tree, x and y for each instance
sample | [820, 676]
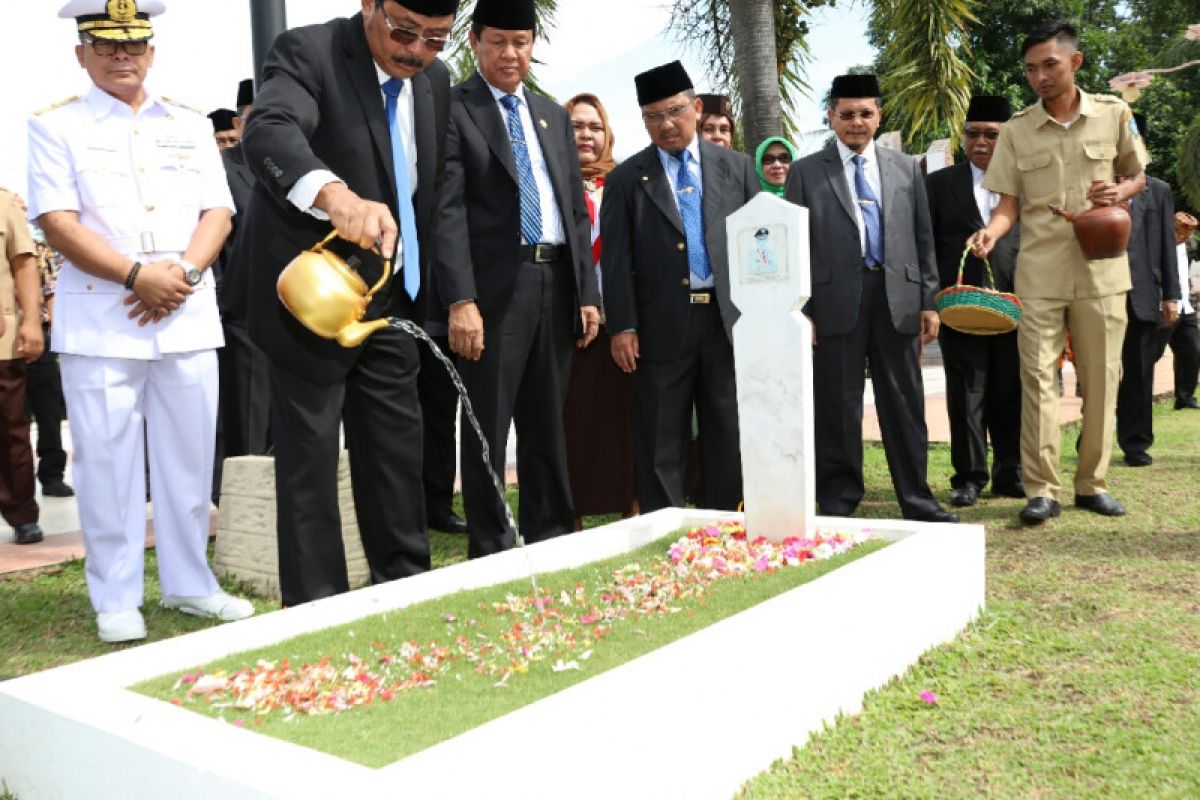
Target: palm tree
[926, 86]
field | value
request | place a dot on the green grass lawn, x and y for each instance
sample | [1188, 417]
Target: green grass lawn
[1080, 679]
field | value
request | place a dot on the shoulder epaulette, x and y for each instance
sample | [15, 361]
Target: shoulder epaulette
[175, 102]
[1106, 98]
[1022, 112]
[59, 104]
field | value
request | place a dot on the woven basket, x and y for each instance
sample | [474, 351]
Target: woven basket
[975, 309]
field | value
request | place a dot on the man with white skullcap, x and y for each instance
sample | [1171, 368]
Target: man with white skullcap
[128, 185]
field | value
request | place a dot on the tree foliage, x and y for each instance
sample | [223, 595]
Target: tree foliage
[705, 27]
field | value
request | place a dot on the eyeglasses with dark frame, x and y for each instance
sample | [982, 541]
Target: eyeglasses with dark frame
[657, 117]
[776, 158]
[404, 36]
[105, 47]
[975, 133]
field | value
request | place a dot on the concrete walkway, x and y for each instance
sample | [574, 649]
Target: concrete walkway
[64, 541]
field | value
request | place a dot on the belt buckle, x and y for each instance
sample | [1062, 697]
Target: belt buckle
[543, 253]
[701, 298]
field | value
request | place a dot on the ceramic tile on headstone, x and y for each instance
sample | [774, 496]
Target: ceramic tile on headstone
[772, 345]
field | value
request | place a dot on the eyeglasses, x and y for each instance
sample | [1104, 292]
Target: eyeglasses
[776, 158]
[974, 133]
[864, 115]
[104, 47]
[657, 117]
[403, 36]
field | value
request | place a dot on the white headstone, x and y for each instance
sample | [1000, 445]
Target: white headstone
[938, 156]
[772, 347]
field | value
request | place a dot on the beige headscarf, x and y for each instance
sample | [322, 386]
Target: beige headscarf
[604, 163]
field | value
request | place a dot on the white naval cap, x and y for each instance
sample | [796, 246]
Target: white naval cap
[115, 20]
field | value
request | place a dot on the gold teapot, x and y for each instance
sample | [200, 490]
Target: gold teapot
[328, 296]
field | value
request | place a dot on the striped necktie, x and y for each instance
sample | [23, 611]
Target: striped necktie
[531, 204]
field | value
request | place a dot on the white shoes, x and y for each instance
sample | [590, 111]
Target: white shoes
[216, 606]
[121, 626]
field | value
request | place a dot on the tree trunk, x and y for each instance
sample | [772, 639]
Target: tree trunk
[752, 24]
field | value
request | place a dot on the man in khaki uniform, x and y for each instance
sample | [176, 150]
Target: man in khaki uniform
[20, 342]
[1067, 150]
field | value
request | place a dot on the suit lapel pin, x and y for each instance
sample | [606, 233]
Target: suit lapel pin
[542, 122]
[645, 177]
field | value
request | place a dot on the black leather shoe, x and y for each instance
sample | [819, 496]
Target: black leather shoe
[448, 523]
[938, 515]
[57, 489]
[1009, 490]
[1040, 509]
[964, 496]
[1103, 503]
[1191, 402]
[29, 533]
[1138, 459]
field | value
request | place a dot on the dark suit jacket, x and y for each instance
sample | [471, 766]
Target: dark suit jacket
[818, 183]
[320, 107]
[232, 282]
[955, 216]
[1152, 264]
[646, 284]
[479, 214]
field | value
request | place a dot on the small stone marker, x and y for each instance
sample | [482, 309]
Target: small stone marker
[772, 348]
[938, 156]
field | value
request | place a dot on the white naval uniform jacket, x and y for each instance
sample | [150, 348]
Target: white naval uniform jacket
[140, 181]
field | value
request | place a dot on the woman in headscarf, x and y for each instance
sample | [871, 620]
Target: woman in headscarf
[773, 159]
[597, 417]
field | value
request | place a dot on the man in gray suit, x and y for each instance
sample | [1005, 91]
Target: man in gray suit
[873, 281]
[514, 270]
[666, 293]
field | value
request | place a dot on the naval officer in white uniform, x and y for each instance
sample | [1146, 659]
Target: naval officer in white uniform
[128, 185]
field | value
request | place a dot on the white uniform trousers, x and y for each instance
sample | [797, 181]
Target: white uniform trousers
[108, 400]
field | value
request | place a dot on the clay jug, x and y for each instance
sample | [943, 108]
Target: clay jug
[328, 297]
[1102, 231]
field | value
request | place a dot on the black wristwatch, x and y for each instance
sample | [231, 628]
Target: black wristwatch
[190, 273]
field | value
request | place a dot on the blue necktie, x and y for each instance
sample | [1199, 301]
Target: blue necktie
[688, 193]
[531, 204]
[868, 203]
[408, 220]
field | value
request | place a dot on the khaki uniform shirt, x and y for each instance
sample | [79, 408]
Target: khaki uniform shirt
[17, 241]
[1044, 163]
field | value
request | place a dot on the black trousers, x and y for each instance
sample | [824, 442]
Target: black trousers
[663, 394]
[983, 401]
[244, 404]
[439, 408]
[895, 367]
[1184, 339]
[1135, 395]
[378, 406]
[521, 379]
[44, 403]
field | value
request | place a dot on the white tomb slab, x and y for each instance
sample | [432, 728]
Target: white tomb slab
[645, 729]
[772, 348]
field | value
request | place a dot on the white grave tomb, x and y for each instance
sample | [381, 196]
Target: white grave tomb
[772, 348]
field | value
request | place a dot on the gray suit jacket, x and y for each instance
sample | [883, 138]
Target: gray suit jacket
[644, 256]
[818, 183]
[479, 208]
[1152, 264]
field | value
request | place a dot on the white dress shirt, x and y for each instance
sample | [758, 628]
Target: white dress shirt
[552, 226]
[1181, 257]
[304, 191]
[871, 171]
[985, 200]
[671, 167]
